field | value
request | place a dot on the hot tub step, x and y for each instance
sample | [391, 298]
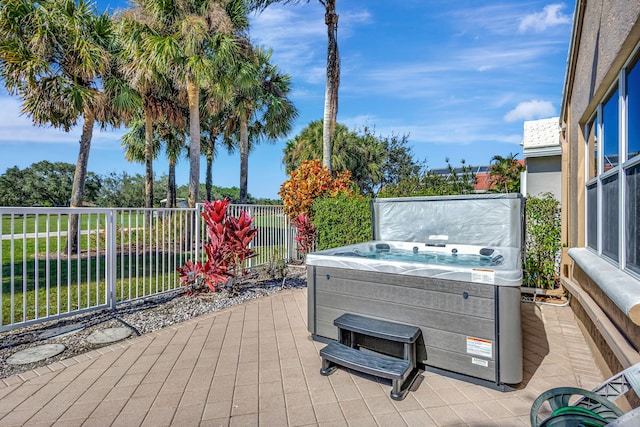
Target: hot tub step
[382, 329]
[369, 363]
[399, 371]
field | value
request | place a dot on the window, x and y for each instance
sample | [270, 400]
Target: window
[613, 173]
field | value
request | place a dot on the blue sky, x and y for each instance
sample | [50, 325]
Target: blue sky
[458, 77]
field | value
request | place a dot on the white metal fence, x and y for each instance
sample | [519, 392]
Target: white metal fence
[123, 254]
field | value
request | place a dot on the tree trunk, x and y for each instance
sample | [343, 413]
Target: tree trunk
[209, 177]
[333, 82]
[193, 92]
[77, 190]
[171, 190]
[148, 158]
[244, 158]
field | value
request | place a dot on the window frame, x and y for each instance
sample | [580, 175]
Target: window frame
[596, 120]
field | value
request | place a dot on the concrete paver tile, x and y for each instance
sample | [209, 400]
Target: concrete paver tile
[380, 405]
[163, 400]
[470, 413]
[452, 395]
[273, 418]
[347, 392]
[105, 421]
[337, 423]
[78, 411]
[215, 410]
[325, 395]
[128, 420]
[409, 403]
[246, 420]
[364, 421]
[354, 409]
[328, 412]
[417, 418]
[109, 407]
[297, 399]
[17, 418]
[245, 400]
[444, 415]
[218, 422]
[138, 404]
[391, 419]
[301, 416]
[155, 417]
[269, 375]
[188, 415]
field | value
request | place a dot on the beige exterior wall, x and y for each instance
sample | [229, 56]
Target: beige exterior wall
[604, 38]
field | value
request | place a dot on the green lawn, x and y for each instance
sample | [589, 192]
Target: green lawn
[28, 223]
[146, 262]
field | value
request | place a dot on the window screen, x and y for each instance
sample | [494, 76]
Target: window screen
[610, 216]
[633, 216]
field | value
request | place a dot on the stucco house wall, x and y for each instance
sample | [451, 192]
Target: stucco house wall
[541, 149]
[605, 36]
[543, 175]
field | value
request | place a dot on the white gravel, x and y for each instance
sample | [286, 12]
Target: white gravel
[143, 316]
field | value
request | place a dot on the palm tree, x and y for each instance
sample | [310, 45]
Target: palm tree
[212, 129]
[365, 155]
[261, 109]
[191, 41]
[136, 149]
[505, 173]
[56, 56]
[160, 100]
[333, 73]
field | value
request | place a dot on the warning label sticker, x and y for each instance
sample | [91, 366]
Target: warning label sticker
[480, 347]
[480, 362]
[479, 275]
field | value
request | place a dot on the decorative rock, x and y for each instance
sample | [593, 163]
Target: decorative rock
[105, 336]
[61, 331]
[35, 354]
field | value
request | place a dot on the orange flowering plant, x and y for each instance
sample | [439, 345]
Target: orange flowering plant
[308, 182]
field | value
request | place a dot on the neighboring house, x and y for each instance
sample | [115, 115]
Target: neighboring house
[600, 139]
[483, 179]
[542, 157]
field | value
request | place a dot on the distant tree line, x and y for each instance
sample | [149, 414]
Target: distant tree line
[49, 184]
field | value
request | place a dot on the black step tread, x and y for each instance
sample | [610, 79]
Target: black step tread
[369, 363]
[378, 328]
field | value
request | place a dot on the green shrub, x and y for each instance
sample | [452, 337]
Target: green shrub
[342, 220]
[542, 243]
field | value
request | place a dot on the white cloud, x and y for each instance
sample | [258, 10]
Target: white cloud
[550, 16]
[298, 37]
[18, 128]
[533, 109]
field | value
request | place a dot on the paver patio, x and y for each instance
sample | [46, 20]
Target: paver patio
[255, 364]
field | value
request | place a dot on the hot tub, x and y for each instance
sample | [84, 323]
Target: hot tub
[464, 297]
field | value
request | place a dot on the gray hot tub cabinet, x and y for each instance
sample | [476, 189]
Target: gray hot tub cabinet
[469, 329]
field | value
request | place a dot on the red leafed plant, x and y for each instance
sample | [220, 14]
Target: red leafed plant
[306, 233]
[227, 250]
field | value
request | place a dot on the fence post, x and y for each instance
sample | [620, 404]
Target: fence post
[111, 257]
[196, 213]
